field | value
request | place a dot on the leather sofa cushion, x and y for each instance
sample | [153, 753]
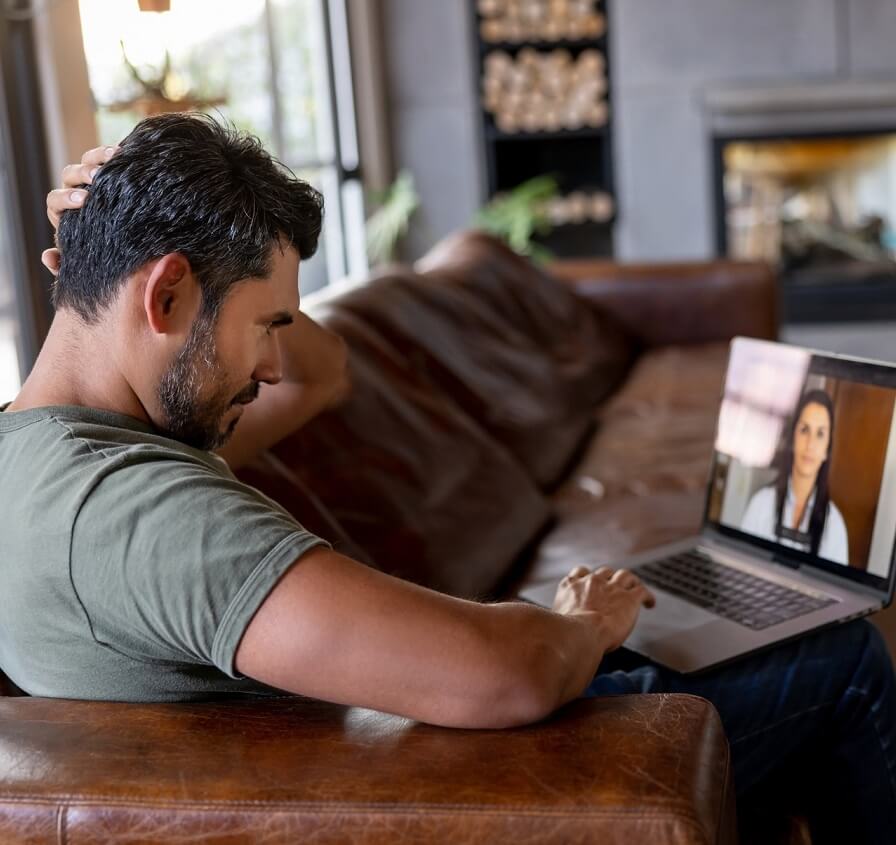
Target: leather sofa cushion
[414, 482]
[270, 475]
[519, 352]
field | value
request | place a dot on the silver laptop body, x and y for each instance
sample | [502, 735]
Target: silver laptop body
[683, 635]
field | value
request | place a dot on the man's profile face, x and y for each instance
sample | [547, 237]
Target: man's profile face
[225, 359]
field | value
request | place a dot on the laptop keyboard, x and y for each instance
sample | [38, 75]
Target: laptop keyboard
[729, 592]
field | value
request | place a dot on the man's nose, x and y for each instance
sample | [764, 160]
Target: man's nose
[270, 367]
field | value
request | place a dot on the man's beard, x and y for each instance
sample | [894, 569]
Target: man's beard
[188, 417]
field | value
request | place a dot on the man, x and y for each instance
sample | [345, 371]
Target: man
[137, 568]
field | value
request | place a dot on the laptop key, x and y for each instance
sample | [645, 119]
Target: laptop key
[728, 592]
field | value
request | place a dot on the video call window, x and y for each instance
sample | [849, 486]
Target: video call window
[805, 458]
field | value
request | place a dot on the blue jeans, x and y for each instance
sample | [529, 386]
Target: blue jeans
[811, 724]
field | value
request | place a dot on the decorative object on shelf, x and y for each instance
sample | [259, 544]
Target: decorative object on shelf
[545, 95]
[389, 223]
[545, 91]
[519, 215]
[581, 207]
[514, 21]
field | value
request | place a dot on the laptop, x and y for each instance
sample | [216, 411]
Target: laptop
[799, 522]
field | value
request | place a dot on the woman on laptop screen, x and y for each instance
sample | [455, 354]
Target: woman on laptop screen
[797, 510]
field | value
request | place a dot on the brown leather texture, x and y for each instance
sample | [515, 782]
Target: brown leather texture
[266, 472]
[411, 479]
[685, 303]
[432, 472]
[533, 388]
[292, 770]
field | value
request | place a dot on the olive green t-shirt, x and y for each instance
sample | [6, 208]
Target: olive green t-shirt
[130, 564]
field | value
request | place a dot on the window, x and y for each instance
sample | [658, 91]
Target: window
[277, 68]
[10, 381]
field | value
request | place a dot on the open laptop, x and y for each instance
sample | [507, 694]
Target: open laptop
[766, 567]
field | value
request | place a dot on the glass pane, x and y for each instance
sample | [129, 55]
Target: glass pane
[328, 263]
[217, 54]
[221, 56]
[303, 83]
[10, 381]
[353, 226]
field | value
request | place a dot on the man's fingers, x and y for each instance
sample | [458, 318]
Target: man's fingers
[83, 173]
[578, 572]
[63, 199]
[629, 581]
[98, 156]
[74, 175]
[50, 259]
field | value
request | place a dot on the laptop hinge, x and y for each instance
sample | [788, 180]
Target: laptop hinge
[789, 562]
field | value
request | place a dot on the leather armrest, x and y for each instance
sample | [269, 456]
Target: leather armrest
[649, 768]
[701, 302]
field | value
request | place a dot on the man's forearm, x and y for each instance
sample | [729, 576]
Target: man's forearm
[315, 377]
[315, 358]
[556, 654]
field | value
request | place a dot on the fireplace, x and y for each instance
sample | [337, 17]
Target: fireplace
[822, 208]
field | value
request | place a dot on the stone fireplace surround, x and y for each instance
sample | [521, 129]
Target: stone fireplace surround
[687, 71]
[795, 111]
[807, 110]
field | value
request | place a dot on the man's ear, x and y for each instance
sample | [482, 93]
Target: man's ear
[171, 296]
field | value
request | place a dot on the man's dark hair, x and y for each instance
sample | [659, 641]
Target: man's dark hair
[183, 183]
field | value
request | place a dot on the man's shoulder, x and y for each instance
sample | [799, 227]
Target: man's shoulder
[87, 437]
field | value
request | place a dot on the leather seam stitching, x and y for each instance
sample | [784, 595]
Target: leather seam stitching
[335, 807]
[61, 829]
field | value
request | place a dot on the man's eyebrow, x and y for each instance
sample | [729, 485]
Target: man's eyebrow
[281, 318]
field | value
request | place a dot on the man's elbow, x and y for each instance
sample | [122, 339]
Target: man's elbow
[523, 691]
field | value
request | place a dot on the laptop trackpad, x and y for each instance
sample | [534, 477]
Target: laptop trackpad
[671, 616]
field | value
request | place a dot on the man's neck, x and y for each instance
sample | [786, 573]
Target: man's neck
[74, 368]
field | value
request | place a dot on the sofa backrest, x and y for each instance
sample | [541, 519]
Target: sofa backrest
[408, 477]
[519, 353]
[524, 355]
[680, 303]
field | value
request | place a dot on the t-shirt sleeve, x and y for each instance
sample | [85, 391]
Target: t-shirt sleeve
[171, 560]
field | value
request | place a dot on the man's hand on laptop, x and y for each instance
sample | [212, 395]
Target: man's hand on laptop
[613, 598]
[315, 359]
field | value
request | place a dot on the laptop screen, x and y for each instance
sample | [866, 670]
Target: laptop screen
[805, 458]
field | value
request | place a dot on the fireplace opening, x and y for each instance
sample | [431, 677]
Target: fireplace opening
[822, 208]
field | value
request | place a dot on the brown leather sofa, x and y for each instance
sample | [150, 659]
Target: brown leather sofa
[503, 427]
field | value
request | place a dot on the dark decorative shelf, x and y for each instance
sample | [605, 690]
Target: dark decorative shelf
[579, 159]
[545, 46]
[493, 133]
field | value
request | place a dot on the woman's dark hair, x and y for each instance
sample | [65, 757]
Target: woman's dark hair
[819, 514]
[183, 183]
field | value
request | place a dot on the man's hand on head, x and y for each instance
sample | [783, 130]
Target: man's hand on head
[315, 359]
[72, 194]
